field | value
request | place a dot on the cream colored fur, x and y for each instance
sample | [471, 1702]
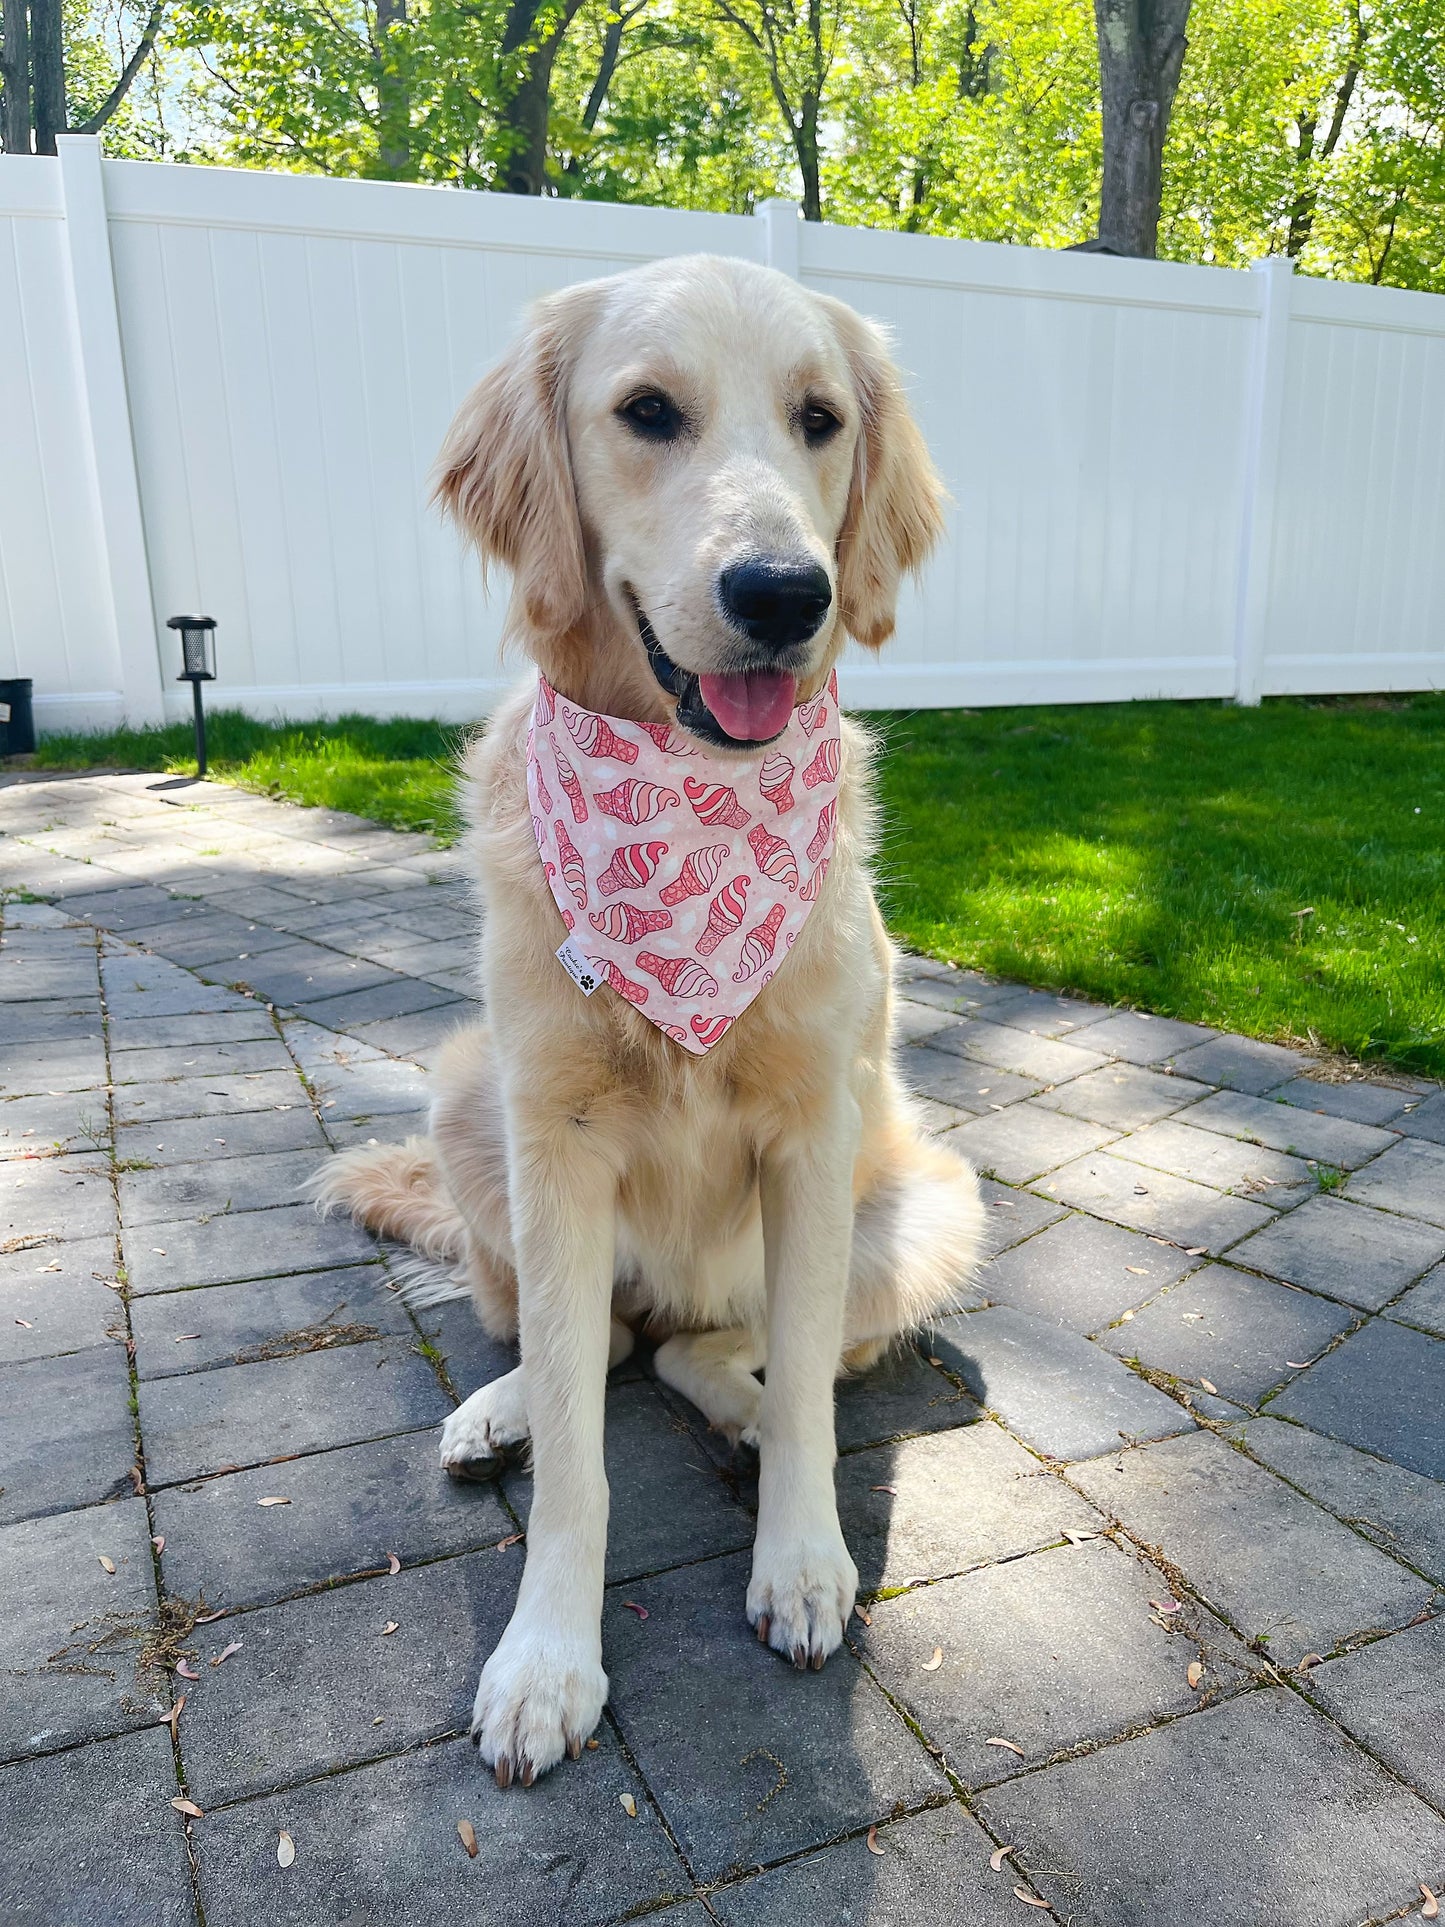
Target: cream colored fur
[773, 1203]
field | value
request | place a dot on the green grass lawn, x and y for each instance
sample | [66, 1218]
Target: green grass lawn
[1278, 871]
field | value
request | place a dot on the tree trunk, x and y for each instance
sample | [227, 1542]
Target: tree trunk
[15, 78]
[47, 67]
[806, 145]
[525, 110]
[1141, 54]
[1306, 203]
[393, 95]
[97, 120]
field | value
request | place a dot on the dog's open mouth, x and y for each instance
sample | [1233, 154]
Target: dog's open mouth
[739, 711]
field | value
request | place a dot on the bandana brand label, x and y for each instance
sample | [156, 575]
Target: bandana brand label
[575, 962]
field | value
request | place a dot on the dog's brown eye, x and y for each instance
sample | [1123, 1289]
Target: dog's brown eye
[819, 423]
[653, 415]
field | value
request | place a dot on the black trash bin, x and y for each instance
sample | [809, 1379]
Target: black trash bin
[17, 718]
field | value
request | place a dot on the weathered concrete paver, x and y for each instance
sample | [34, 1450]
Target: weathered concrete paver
[1259, 1810]
[1279, 1569]
[219, 989]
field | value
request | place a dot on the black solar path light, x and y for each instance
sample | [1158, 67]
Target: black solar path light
[198, 659]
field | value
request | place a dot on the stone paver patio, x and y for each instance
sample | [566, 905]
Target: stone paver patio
[1152, 1536]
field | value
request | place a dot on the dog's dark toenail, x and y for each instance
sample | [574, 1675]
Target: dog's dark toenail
[504, 1772]
[574, 1749]
[800, 1658]
[528, 1774]
[765, 1626]
[818, 1659]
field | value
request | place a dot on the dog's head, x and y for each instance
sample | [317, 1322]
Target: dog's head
[701, 476]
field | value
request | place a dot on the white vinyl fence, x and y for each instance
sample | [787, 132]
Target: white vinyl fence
[222, 392]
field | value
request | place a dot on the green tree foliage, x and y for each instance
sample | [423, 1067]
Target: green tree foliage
[1309, 127]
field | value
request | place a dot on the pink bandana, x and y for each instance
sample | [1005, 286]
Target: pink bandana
[684, 879]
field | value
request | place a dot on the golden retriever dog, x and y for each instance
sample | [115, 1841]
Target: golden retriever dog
[702, 478]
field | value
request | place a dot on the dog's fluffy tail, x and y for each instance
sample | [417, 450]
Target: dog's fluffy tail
[398, 1191]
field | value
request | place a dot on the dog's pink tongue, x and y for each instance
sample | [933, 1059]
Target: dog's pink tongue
[753, 706]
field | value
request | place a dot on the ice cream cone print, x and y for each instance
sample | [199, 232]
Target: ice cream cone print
[632, 866]
[824, 766]
[724, 914]
[624, 986]
[595, 736]
[758, 944]
[679, 976]
[715, 803]
[707, 1030]
[775, 857]
[822, 836]
[571, 788]
[573, 874]
[626, 923]
[634, 802]
[698, 874]
[775, 780]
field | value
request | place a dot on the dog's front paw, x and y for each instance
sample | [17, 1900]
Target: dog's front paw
[540, 1696]
[800, 1596]
[483, 1428]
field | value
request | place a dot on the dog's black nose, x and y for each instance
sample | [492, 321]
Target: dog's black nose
[775, 602]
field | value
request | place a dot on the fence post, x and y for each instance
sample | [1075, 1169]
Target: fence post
[781, 223]
[112, 447]
[1261, 473]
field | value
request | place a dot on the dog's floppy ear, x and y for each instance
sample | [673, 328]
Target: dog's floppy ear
[895, 504]
[504, 473]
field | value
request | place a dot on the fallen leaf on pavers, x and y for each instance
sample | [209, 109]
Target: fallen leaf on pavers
[107, 1564]
[932, 1665]
[186, 1670]
[1195, 1673]
[173, 1718]
[1166, 1605]
[1077, 1538]
[1195, 1251]
[273, 1501]
[1311, 1659]
[160, 1251]
[26, 1323]
[1139, 1271]
[872, 1843]
[864, 1614]
[633, 1607]
[393, 1564]
[1299, 1364]
[592, 1745]
[515, 1540]
[884, 1488]
[935, 1361]
[1029, 1900]
[190, 1807]
[1431, 1909]
[468, 1836]
[204, 1619]
[390, 1627]
[1141, 1190]
[1125, 1316]
[1009, 1744]
[628, 1805]
[159, 1541]
[997, 1858]
[285, 1850]
[226, 1652]
[1213, 1390]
